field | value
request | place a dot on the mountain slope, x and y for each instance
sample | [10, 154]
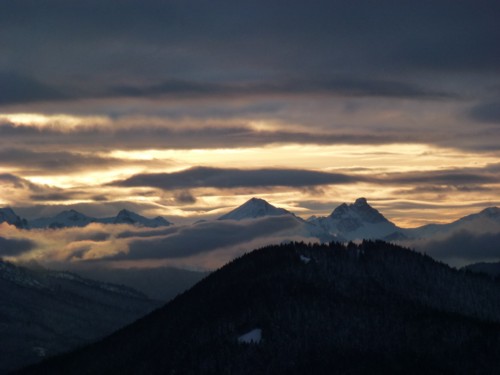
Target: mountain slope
[46, 312]
[295, 309]
[160, 283]
[254, 208]
[7, 215]
[488, 220]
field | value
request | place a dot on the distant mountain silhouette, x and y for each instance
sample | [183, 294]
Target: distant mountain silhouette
[72, 218]
[311, 309]
[355, 221]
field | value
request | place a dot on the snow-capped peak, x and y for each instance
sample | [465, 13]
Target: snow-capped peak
[359, 210]
[254, 208]
[355, 221]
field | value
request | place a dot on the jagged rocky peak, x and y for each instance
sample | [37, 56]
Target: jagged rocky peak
[8, 215]
[258, 202]
[359, 209]
[361, 202]
[125, 216]
[124, 213]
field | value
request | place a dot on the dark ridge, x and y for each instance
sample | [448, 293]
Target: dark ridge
[322, 309]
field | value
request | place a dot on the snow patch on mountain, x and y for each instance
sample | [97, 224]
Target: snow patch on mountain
[252, 337]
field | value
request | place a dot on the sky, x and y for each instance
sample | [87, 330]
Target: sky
[187, 109]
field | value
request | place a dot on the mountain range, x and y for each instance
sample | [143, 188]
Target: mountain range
[321, 309]
[44, 312]
[359, 220]
[73, 218]
[206, 245]
[347, 222]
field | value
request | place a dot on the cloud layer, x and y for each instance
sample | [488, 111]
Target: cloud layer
[186, 108]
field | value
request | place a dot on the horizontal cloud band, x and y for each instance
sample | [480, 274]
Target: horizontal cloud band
[234, 178]
[204, 177]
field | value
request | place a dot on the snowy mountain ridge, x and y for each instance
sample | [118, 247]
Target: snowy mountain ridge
[347, 222]
[72, 218]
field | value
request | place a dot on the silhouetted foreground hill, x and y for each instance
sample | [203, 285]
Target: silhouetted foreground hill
[372, 308]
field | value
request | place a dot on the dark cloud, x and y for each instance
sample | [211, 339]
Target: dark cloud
[184, 197]
[455, 178]
[464, 179]
[93, 236]
[13, 247]
[443, 189]
[488, 112]
[466, 246]
[91, 138]
[53, 161]
[54, 194]
[149, 233]
[184, 37]
[99, 198]
[147, 137]
[62, 196]
[78, 253]
[21, 89]
[330, 87]
[234, 178]
[95, 49]
[19, 182]
[206, 237]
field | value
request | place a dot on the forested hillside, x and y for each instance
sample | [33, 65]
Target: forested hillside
[298, 308]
